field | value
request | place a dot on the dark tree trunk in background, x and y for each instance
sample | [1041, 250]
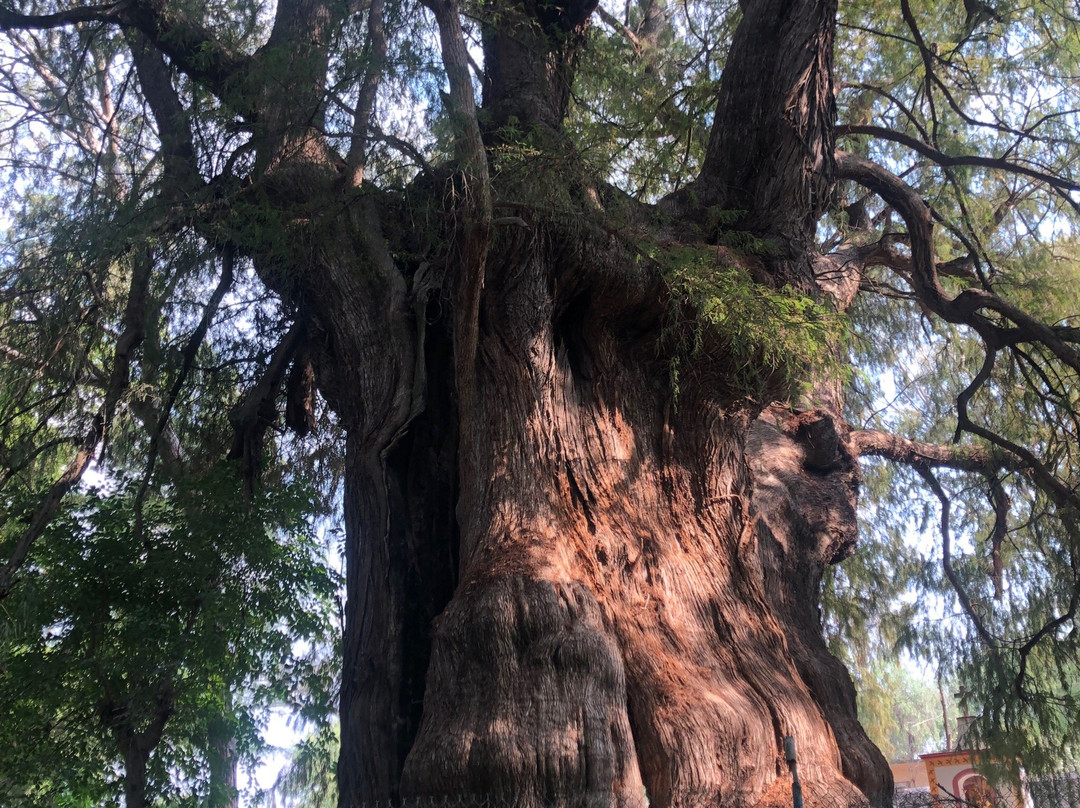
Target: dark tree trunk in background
[135, 761]
[222, 757]
[137, 741]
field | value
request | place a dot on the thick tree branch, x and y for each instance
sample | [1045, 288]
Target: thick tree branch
[173, 125]
[376, 50]
[918, 454]
[191, 46]
[472, 158]
[894, 100]
[616, 24]
[48, 507]
[999, 499]
[256, 412]
[884, 253]
[966, 307]
[775, 108]
[108, 12]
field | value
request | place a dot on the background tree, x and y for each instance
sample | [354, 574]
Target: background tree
[309, 779]
[587, 352]
[153, 651]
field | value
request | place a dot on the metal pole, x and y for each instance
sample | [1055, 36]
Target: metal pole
[796, 786]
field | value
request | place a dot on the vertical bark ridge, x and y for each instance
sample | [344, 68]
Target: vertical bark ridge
[296, 58]
[400, 486]
[401, 569]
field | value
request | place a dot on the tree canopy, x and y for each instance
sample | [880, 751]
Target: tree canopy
[259, 261]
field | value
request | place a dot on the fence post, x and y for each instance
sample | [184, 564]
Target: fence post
[796, 786]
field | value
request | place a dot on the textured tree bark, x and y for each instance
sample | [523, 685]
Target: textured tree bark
[137, 744]
[530, 49]
[637, 609]
[566, 582]
[135, 760]
[401, 570]
[775, 108]
[637, 612]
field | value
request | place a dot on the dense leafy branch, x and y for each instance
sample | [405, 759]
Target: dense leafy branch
[188, 355]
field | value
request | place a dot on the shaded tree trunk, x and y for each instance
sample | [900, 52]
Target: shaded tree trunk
[222, 758]
[135, 760]
[137, 740]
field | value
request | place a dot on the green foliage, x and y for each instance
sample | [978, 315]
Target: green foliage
[1022, 686]
[900, 711]
[309, 780]
[197, 598]
[769, 339]
[641, 110]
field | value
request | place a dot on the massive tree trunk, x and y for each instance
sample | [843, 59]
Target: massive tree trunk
[568, 579]
[639, 578]
[637, 570]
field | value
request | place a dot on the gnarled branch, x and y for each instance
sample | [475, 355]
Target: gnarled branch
[965, 308]
[949, 161]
